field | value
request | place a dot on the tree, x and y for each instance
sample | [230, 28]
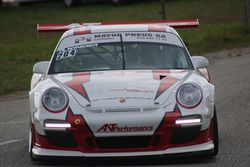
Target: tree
[246, 15]
[163, 10]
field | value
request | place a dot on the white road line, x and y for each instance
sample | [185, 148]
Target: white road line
[16, 122]
[10, 141]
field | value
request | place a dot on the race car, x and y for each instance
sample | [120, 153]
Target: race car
[68, 3]
[121, 90]
[71, 3]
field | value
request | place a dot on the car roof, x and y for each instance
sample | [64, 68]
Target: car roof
[119, 28]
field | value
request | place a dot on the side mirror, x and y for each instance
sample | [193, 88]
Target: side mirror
[199, 62]
[41, 67]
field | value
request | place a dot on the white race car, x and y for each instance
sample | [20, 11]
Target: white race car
[121, 90]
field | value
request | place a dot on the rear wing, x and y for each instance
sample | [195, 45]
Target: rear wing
[191, 23]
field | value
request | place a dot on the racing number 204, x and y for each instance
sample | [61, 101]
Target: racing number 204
[68, 52]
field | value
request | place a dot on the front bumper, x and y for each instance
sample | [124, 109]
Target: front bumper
[64, 153]
[169, 138]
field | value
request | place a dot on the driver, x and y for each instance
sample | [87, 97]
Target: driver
[132, 56]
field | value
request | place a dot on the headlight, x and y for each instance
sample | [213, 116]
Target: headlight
[55, 100]
[189, 95]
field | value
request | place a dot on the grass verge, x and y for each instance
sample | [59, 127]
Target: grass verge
[20, 46]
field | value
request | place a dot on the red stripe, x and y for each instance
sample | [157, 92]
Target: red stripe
[78, 81]
[165, 84]
[158, 73]
[156, 28]
[166, 81]
[82, 32]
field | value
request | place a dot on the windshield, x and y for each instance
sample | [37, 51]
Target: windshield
[119, 53]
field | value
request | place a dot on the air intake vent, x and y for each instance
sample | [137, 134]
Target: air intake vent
[124, 142]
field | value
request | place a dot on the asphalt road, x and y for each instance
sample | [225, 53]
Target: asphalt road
[230, 74]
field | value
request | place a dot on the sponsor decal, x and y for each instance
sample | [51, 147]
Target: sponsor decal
[128, 98]
[132, 89]
[131, 36]
[146, 36]
[71, 51]
[106, 36]
[122, 100]
[158, 35]
[83, 39]
[89, 39]
[66, 53]
[128, 36]
[116, 128]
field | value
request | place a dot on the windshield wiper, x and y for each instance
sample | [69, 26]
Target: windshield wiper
[123, 56]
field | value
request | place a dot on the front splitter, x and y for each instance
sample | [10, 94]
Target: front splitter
[37, 151]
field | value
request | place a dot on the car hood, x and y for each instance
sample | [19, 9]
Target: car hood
[120, 88]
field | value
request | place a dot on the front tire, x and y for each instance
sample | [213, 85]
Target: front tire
[72, 3]
[31, 144]
[215, 135]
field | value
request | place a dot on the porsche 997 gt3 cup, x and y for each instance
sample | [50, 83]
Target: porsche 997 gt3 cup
[121, 90]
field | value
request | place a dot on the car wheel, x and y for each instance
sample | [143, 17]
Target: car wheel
[31, 144]
[71, 3]
[215, 135]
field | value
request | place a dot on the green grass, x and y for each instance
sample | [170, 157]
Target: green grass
[20, 46]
